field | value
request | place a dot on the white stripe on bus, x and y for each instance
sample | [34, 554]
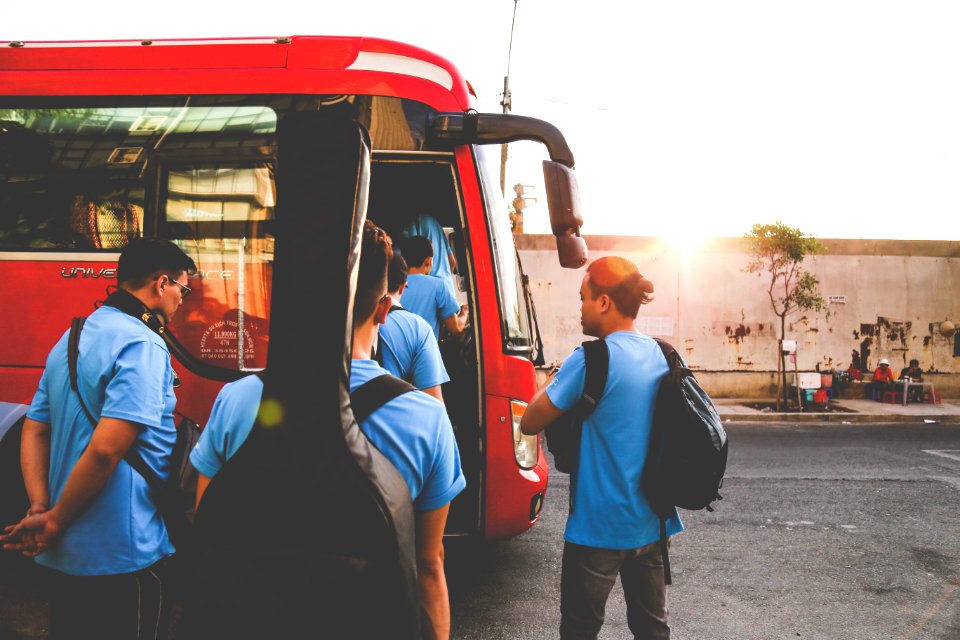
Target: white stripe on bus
[405, 65]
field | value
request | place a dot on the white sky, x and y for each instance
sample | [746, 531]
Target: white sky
[685, 117]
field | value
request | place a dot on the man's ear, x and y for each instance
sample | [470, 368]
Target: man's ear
[159, 284]
[400, 290]
[605, 302]
[380, 313]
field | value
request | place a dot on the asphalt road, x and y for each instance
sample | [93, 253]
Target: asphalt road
[825, 531]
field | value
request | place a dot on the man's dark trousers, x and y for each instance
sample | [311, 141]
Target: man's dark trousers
[588, 576]
[129, 606]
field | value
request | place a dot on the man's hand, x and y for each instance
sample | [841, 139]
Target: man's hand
[456, 323]
[32, 535]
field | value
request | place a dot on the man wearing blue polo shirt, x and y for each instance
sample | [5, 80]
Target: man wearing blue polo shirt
[407, 347]
[611, 529]
[412, 431]
[424, 224]
[92, 517]
[428, 296]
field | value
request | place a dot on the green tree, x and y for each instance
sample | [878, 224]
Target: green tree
[777, 252]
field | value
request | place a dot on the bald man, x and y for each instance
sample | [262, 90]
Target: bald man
[611, 529]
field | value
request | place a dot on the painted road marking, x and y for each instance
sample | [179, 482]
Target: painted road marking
[952, 454]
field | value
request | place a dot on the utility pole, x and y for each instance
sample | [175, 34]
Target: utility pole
[507, 103]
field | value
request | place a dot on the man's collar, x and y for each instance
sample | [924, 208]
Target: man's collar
[396, 301]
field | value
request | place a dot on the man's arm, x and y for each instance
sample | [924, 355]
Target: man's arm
[202, 483]
[111, 440]
[540, 412]
[35, 464]
[456, 323]
[431, 578]
[435, 392]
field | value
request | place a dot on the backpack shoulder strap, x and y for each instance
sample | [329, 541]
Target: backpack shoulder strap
[375, 393]
[670, 353]
[132, 458]
[596, 356]
[73, 354]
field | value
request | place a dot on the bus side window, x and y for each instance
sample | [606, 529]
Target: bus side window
[106, 223]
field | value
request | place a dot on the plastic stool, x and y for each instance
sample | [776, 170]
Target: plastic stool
[936, 397]
[893, 397]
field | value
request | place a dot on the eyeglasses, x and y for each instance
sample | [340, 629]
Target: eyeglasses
[184, 289]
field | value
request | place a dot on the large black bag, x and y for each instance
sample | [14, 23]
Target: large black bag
[687, 456]
[563, 434]
[308, 531]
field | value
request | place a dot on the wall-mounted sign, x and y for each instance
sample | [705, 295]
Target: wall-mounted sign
[655, 325]
[837, 299]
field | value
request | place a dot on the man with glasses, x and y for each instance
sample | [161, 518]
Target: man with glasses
[92, 518]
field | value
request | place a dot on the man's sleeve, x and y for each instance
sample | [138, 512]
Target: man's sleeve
[447, 305]
[428, 369]
[567, 385]
[40, 407]
[445, 479]
[137, 389]
[209, 454]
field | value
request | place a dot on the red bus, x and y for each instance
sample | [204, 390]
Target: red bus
[104, 141]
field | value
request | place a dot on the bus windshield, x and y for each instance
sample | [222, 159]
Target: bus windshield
[516, 320]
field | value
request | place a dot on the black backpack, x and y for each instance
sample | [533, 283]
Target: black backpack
[687, 456]
[563, 434]
[176, 497]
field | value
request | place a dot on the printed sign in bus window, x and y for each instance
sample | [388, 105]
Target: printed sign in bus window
[221, 194]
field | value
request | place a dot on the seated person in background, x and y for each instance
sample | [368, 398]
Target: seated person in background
[412, 431]
[424, 224]
[427, 296]
[882, 378]
[914, 373]
[407, 346]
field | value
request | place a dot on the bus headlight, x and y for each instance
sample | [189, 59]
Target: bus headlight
[525, 448]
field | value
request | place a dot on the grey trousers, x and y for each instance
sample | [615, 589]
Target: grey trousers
[589, 574]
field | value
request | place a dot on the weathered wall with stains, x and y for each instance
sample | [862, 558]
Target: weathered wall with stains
[887, 300]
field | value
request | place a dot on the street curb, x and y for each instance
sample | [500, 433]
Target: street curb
[836, 418]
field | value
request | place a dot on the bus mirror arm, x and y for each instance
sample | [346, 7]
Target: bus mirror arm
[498, 128]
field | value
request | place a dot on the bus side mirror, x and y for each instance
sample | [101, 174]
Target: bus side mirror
[563, 203]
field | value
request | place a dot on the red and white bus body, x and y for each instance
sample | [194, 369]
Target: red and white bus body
[69, 99]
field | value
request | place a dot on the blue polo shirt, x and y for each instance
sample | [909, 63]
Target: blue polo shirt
[430, 298]
[412, 431]
[409, 350]
[123, 372]
[610, 511]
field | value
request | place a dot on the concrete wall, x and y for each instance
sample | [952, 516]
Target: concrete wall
[888, 300]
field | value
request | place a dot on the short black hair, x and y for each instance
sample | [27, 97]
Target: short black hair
[375, 254]
[397, 273]
[914, 363]
[416, 250]
[143, 258]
